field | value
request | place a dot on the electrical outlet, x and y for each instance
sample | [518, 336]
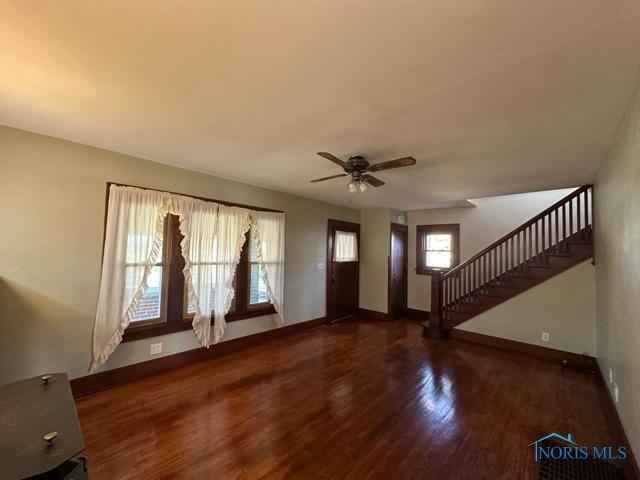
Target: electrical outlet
[616, 393]
[545, 336]
[610, 375]
[155, 348]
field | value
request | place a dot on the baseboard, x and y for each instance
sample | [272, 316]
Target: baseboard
[372, 314]
[412, 314]
[417, 315]
[574, 360]
[632, 469]
[118, 376]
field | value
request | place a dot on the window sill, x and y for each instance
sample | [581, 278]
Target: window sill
[139, 332]
[156, 330]
[257, 311]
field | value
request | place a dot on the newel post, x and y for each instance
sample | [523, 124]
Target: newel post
[435, 328]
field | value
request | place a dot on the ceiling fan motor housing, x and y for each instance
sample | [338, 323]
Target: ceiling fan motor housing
[356, 165]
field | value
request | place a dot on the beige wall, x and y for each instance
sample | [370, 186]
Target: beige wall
[569, 319]
[563, 306]
[617, 228]
[375, 231]
[52, 200]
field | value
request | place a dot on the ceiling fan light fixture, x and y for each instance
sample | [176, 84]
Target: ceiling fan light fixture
[362, 186]
[353, 188]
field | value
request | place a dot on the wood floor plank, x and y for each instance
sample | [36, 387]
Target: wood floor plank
[353, 401]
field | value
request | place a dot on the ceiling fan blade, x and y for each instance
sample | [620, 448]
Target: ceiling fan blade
[398, 162]
[328, 178]
[373, 181]
[332, 158]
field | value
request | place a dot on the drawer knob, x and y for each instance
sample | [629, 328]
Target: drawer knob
[50, 437]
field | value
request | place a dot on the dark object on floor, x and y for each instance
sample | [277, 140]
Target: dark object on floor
[41, 434]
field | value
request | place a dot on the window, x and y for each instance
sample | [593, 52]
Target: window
[165, 307]
[437, 247]
[147, 264]
[251, 297]
[149, 307]
[346, 247]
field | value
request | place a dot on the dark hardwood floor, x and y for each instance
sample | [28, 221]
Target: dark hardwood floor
[353, 400]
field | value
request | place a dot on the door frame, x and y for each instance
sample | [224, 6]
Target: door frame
[405, 228]
[333, 225]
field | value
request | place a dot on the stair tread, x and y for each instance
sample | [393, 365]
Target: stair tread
[517, 275]
[538, 265]
[502, 284]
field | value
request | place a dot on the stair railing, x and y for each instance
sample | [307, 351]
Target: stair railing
[513, 252]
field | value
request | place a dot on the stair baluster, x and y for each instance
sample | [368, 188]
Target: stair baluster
[535, 251]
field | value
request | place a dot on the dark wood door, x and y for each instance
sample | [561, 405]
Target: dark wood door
[342, 276]
[398, 267]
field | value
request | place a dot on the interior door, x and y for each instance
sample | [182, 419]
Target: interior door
[398, 270]
[343, 267]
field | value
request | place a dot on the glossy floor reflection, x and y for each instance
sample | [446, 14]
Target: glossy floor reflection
[356, 400]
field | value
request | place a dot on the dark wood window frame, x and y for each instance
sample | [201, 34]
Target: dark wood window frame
[421, 233]
[173, 318]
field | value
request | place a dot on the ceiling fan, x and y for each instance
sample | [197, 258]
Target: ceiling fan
[358, 167]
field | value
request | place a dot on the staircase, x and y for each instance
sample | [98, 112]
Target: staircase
[548, 244]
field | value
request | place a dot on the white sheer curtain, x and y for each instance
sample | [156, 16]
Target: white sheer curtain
[198, 225]
[214, 236]
[133, 241]
[270, 228]
[213, 239]
[346, 247]
[233, 224]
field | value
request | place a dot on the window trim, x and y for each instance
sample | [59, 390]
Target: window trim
[422, 231]
[172, 318]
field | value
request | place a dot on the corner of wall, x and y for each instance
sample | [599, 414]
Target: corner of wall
[375, 232]
[617, 243]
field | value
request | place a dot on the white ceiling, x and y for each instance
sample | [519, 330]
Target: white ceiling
[490, 96]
